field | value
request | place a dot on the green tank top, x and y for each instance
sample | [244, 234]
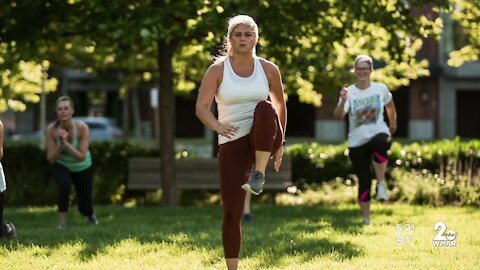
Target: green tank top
[67, 160]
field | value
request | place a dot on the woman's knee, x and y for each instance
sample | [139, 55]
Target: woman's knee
[381, 141]
[264, 106]
[379, 147]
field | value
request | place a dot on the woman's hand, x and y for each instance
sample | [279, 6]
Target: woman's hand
[344, 93]
[226, 130]
[63, 136]
[278, 159]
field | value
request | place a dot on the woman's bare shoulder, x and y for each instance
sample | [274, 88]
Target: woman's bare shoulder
[267, 65]
[51, 127]
[81, 125]
[214, 74]
[216, 68]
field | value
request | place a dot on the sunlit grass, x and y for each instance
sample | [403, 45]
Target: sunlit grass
[279, 237]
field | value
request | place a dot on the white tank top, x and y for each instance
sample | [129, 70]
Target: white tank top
[238, 96]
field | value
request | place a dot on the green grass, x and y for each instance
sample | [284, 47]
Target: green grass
[280, 237]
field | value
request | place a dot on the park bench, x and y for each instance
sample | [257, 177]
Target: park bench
[144, 174]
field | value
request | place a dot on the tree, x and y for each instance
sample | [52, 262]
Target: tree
[22, 82]
[467, 14]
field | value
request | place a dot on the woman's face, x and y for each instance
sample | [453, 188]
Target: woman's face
[363, 70]
[64, 110]
[243, 38]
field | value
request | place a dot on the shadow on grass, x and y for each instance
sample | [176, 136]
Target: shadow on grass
[276, 232]
[300, 231]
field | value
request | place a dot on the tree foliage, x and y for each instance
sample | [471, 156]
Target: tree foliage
[467, 14]
[22, 81]
[313, 42]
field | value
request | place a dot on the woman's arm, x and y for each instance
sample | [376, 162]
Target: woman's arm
[276, 92]
[210, 82]
[392, 116]
[278, 100]
[339, 112]
[53, 149]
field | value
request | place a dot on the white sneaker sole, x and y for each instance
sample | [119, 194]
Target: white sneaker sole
[249, 189]
[384, 199]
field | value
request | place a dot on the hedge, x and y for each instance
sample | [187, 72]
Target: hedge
[29, 182]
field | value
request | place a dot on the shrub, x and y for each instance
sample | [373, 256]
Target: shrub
[424, 187]
[111, 168]
[316, 163]
[456, 162]
[29, 182]
[27, 176]
[441, 157]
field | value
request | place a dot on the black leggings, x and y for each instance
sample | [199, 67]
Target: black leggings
[83, 183]
[361, 157]
[2, 206]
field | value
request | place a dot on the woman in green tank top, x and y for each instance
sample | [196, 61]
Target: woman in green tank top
[70, 160]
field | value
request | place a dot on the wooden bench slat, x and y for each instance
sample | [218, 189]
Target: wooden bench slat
[144, 173]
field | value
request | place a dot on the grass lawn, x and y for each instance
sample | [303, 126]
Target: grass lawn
[279, 237]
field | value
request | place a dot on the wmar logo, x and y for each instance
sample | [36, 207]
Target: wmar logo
[444, 238]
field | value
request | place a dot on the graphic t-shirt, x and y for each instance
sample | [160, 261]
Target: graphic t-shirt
[365, 112]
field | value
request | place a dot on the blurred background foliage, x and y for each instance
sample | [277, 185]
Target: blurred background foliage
[314, 45]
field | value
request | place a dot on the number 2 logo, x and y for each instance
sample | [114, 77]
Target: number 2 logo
[441, 236]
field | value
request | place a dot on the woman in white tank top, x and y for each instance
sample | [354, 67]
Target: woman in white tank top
[250, 126]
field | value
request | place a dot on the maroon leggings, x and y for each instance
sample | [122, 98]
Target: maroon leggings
[235, 160]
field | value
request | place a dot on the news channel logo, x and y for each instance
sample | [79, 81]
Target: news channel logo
[444, 238]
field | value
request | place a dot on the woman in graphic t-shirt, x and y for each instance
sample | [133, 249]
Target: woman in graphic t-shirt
[369, 137]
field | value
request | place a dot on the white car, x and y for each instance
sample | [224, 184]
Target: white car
[101, 128]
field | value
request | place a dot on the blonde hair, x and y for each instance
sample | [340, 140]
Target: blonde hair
[232, 23]
[64, 98]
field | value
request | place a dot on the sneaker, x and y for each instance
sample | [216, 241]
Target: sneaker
[9, 231]
[255, 183]
[381, 192]
[92, 220]
[247, 217]
[366, 221]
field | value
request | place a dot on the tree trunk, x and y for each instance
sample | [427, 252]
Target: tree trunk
[167, 121]
[125, 115]
[137, 121]
[43, 112]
